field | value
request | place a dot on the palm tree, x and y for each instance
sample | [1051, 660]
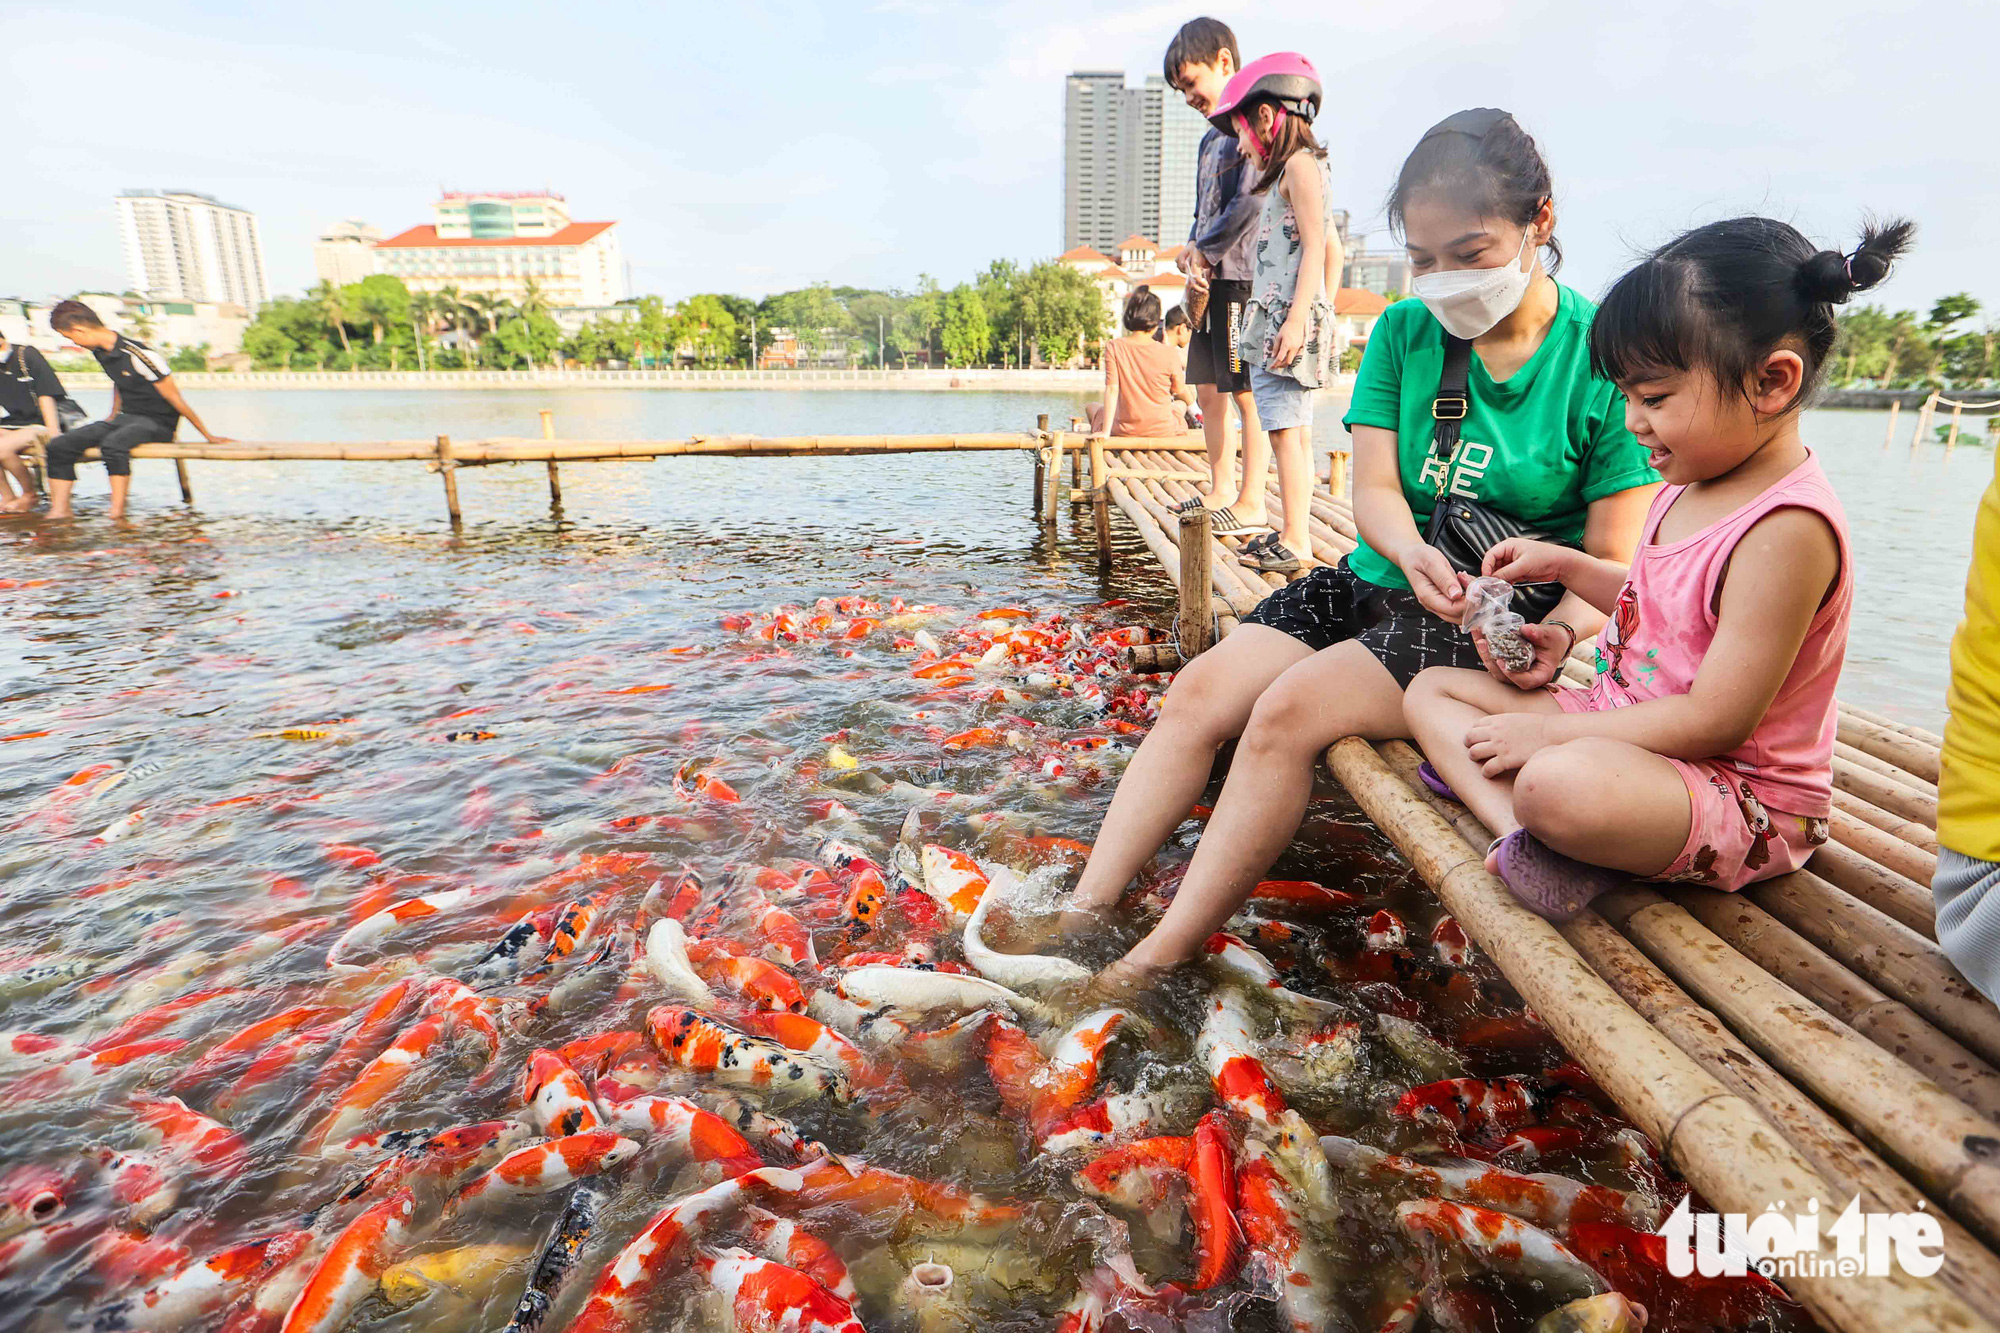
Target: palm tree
[534, 303]
[423, 312]
[327, 297]
[487, 310]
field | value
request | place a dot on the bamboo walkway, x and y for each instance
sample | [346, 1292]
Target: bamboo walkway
[1803, 1039]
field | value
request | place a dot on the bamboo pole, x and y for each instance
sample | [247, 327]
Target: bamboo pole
[1041, 462]
[555, 479]
[1898, 798]
[1938, 1140]
[1712, 1136]
[1904, 751]
[1907, 829]
[1884, 849]
[1883, 889]
[1970, 1269]
[181, 475]
[1193, 628]
[1100, 503]
[1054, 492]
[1336, 474]
[1930, 738]
[1890, 1024]
[1076, 469]
[1193, 444]
[449, 472]
[1154, 534]
[1951, 440]
[1895, 407]
[1883, 768]
[1888, 953]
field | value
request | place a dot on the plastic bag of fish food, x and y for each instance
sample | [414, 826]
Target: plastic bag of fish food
[1486, 610]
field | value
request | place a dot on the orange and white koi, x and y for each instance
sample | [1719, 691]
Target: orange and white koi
[572, 927]
[202, 1289]
[558, 1102]
[1553, 1202]
[1218, 1236]
[953, 879]
[782, 1240]
[147, 1183]
[698, 1135]
[352, 1266]
[736, 1059]
[31, 1196]
[613, 1305]
[369, 1034]
[1229, 1053]
[1041, 1089]
[871, 1190]
[1386, 932]
[1108, 1120]
[763, 983]
[767, 1297]
[1502, 1244]
[809, 1036]
[1275, 1232]
[543, 1167]
[1234, 959]
[440, 1155]
[1473, 1105]
[594, 1056]
[381, 1078]
[188, 1134]
[224, 1056]
[1302, 893]
[1143, 1176]
[371, 931]
[1448, 940]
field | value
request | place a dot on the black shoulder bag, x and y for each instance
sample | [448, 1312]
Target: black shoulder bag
[1464, 529]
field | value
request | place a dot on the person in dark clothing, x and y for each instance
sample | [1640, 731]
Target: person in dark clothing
[29, 391]
[146, 408]
[1199, 63]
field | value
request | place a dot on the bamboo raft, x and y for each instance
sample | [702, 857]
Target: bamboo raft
[1803, 1039]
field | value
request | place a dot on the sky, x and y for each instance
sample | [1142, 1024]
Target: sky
[756, 147]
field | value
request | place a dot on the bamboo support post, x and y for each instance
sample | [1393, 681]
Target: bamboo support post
[1194, 627]
[1076, 469]
[1886, 952]
[1890, 1024]
[1714, 1137]
[1100, 503]
[1895, 407]
[449, 471]
[1949, 1151]
[1152, 659]
[1053, 494]
[1951, 440]
[1336, 474]
[555, 479]
[181, 475]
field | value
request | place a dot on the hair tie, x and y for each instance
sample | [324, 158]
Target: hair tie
[1848, 264]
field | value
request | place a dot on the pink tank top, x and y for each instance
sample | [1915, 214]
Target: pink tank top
[1665, 621]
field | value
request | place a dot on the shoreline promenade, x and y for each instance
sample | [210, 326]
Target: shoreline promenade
[987, 379]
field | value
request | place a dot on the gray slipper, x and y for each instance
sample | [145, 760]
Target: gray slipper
[1552, 886]
[1224, 523]
[1275, 558]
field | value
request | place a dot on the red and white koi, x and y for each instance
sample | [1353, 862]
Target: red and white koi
[189, 1135]
[382, 1077]
[698, 1135]
[953, 880]
[757, 980]
[1235, 960]
[1108, 1120]
[1449, 941]
[1148, 1178]
[543, 1167]
[1501, 1244]
[1275, 1232]
[205, 1288]
[352, 1267]
[441, 1155]
[767, 1297]
[1386, 932]
[1218, 1236]
[1229, 1053]
[784, 1241]
[557, 1099]
[736, 1059]
[147, 1184]
[1549, 1201]
[31, 1196]
[371, 931]
[1474, 1106]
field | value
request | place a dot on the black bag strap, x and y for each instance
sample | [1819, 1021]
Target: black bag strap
[1449, 408]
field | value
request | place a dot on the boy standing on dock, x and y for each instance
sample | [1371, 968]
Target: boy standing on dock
[29, 392]
[1199, 63]
[146, 408]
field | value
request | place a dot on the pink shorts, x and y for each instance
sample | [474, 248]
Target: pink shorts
[1732, 839]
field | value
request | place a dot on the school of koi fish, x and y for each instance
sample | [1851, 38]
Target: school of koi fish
[772, 1030]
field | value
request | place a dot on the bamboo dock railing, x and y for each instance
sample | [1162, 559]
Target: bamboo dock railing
[1805, 1038]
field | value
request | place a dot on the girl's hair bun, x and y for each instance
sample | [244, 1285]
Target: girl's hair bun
[1833, 277]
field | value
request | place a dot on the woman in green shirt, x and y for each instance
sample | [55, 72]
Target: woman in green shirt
[1543, 441]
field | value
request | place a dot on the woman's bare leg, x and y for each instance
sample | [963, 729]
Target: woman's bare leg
[1343, 691]
[12, 443]
[1220, 446]
[1208, 704]
[1292, 449]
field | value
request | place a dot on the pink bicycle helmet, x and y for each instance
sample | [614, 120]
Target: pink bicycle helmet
[1286, 78]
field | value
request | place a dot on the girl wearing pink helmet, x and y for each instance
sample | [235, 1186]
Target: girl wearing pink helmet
[1288, 334]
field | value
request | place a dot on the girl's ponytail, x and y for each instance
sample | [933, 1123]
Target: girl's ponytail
[1832, 277]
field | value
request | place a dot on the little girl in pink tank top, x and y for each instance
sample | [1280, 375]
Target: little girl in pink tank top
[1703, 749]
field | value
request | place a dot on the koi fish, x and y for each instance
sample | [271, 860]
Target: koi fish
[763, 983]
[31, 1196]
[1143, 1177]
[203, 1289]
[736, 1059]
[1609, 1313]
[1634, 1262]
[1218, 1237]
[783, 1241]
[1449, 941]
[1472, 1105]
[1108, 1120]
[767, 1297]
[352, 1267]
[148, 1184]
[953, 879]
[1228, 1052]
[1555, 1203]
[1300, 893]
[1275, 1233]
[911, 992]
[1502, 1244]
[1386, 932]
[558, 1102]
[372, 930]
[1235, 960]
[558, 1257]
[382, 1077]
[542, 1168]
[667, 957]
[443, 1154]
[871, 1189]
[572, 928]
[699, 1135]
[471, 1270]
[227, 1055]
[809, 1036]
[188, 1134]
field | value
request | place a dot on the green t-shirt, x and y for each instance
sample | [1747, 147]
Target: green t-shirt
[1538, 447]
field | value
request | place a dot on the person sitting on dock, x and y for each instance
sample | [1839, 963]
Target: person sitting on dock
[29, 392]
[1178, 334]
[1143, 385]
[1703, 749]
[1535, 437]
[146, 408]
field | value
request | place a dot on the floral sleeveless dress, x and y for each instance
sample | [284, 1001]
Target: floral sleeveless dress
[1275, 276]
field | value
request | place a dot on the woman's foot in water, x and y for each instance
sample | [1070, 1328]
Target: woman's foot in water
[19, 504]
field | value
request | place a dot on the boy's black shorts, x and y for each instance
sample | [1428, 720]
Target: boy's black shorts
[1333, 604]
[1215, 353]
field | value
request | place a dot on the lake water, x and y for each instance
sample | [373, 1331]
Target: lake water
[1911, 512]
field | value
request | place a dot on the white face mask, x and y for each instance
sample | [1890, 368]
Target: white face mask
[1469, 301]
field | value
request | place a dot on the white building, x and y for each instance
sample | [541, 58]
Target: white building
[1140, 263]
[345, 252]
[499, 243]
[182, 246]
[1129, 159]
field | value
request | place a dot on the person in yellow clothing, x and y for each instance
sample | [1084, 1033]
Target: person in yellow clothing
[1968, 911]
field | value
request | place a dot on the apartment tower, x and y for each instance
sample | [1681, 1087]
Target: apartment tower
[1128, 161]
[183, 246]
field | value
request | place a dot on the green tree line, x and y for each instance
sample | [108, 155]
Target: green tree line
[1949, 348]
[1005, 316]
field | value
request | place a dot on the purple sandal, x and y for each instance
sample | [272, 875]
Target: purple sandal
[1552, 886]
[1434, 782]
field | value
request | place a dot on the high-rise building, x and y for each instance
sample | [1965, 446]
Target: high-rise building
[183, 246]
[1128, 160]
[345, 252]
[499, 243]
